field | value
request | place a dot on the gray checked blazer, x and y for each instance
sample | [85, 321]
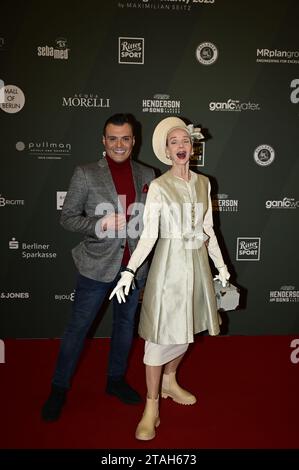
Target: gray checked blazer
[92, 189]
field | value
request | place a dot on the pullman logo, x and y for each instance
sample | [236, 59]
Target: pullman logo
[248, 248]
[130, 50]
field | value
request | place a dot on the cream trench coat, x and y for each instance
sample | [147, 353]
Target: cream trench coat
[179, 297]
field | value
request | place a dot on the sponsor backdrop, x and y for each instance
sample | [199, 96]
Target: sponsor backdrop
[231, 67]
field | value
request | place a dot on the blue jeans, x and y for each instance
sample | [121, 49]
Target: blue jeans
[89, 297]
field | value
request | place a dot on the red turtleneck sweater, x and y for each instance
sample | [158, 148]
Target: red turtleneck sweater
[124, 184]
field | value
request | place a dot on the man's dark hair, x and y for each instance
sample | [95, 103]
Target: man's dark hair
[120, 119]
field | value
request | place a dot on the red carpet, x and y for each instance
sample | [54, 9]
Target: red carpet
[247, 390]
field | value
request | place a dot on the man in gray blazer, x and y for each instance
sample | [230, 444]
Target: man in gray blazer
[105, 203]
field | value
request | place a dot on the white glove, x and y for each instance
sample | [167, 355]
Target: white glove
[124, 282]
[223, 275]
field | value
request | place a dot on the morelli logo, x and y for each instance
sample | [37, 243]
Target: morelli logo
[285, 203]
[233, 105]
[32, 250]
[294, 97]
[130, 50]
[45, 150]
[206, 53]
[222, 203]
[84, 100]
[60, 197]
[7, 202]
[248, 248]
[277, 56]
[59, 51]
[161, 103]
[284, 294]
[12, 99]
[264, 155]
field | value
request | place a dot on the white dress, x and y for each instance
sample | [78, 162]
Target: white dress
[179, 297]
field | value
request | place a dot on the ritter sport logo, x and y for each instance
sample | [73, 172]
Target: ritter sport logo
[130, 50]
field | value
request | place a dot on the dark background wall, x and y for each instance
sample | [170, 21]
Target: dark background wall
[229, 66]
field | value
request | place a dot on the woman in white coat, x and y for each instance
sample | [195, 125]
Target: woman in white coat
[179, 297]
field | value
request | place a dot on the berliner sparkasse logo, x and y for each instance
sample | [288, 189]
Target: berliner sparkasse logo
[248, 248]
[206, 53]
[130, 50]
[264, 155]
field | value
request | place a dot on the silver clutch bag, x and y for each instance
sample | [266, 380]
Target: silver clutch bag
[228, 297]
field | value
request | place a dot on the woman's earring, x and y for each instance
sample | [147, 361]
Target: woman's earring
[104, 154]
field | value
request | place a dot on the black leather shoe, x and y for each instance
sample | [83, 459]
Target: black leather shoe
[52, 408]
[123, 391]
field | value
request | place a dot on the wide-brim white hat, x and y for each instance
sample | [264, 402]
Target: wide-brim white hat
[160, 136]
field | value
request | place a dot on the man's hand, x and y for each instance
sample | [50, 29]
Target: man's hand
[124, 282]
[113, 222]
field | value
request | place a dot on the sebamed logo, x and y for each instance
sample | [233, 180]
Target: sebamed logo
[222, 203]
[60, 197]
[294, 97]
[130, 50]
[284, 294]
[166, 5]
[32, 250]
[85, 100]
[198, 157]
[161, 103]
[248, 248]
[285, 203]
[45, 149]
[8, 202]
[12, 99]
[69, 297]
[14, 295]
[233, 105]
[277, 56]
[264, 155]
[59, 51]
[206, 53]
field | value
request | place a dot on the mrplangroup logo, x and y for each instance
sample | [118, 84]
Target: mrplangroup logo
[248, 248]
[130, 50]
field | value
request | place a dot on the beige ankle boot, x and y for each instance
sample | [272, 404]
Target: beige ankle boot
[150, 420]
[170, 388]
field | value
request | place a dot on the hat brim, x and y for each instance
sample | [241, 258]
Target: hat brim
[160, 136]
